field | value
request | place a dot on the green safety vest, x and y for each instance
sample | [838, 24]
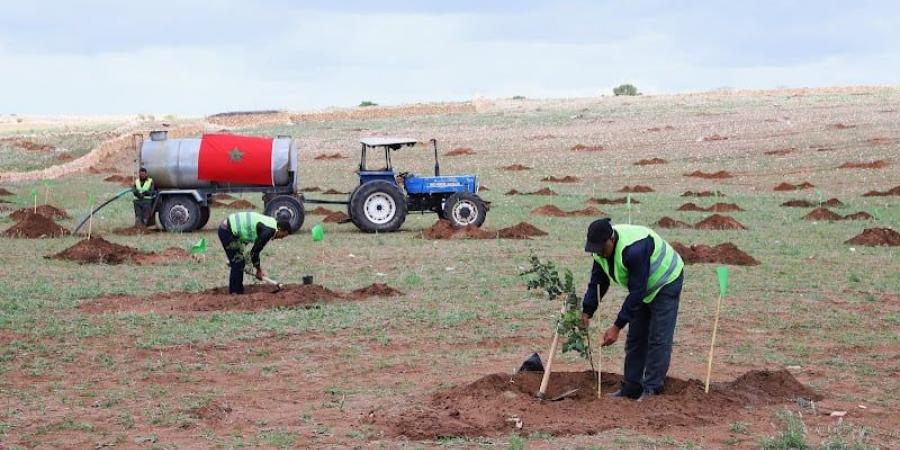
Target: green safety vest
[145, 188]
[665, 263]
[243, 224]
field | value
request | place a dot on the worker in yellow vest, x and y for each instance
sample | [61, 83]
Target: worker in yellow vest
[144, 195]
[243, 228]
[638, 259]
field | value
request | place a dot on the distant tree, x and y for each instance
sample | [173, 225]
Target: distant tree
[625, 89]
[518, 97]
[366, 103]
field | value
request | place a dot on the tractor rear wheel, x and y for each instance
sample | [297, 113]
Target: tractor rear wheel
[377, 206]
[286, 207]
[180, 213]
[463, 209]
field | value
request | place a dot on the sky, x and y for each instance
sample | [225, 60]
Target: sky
[187, 57]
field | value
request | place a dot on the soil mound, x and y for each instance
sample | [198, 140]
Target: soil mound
[610, 201]
[554, 211]
[522, 230]
[878, 140]
[636, 188]
[461, 151]
[862, 215]
[833, 203]
[724, 207]
[794, 187]
[326, 156]
[4, 192]
[822, 213]
[375, 290]
[892, 191]
[701, 194]
[668, 222]
[781, 152]
[501, 403]
[873, 237]
[48, 211]
[544, 191]
[880, 164]
[97, 250]
[842, 126]
[35, 226]
[311, 189]
[443, 230]
[650, 162]
[565, 179]
[240, 204]
[123, 180]
[722, 174]
[715, 137]
[334, 192]
[25, 144]
[587, 148]
[690, 207]
[223, 197]
[798, 204]
[725, 253]
[515, 167]
[719, 222]
[320, 211]
[483, 188]
[336, 217]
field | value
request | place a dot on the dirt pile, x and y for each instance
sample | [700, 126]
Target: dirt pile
[667, 127]
[375, 290]
[668, 222]
[522, 230]
[501, 404]
[544, 191]
[798, 204]
[35, 226]
[122, 180]
[256, 297]
[873, 237]
[725, 253]
[861, 215]
[822, 213]
[842, 126]
[25, 144]
[587, 148]
[48, 211]
[715, 137]
[135, 230]
[691, 206]
[311, 189]
[564, 179]
[443, 230]
[515, 167]
[223, 197]
[336, 217]
[237, 204]
[892, 191]
[636, 189]
[320, 211]
[781, 152]
[97, 250]
[879, 140]
[702, 194]
[4, 192]
[794, 187]
[650, 162]
[554, 211]
[722, 174]
[719, 222]
[833, 203]
[461, 151]
[610, 201]
[880, 164]
[717, 207]
[334, 192]
[327, 156]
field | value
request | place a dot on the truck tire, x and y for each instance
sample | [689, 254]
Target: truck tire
[377, 206]
[204, 217]
[285, 207]
[464, 209]
[180, 213]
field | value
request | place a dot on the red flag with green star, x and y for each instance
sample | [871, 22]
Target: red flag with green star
[229, 158]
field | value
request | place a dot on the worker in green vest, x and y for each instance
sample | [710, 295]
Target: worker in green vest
[638, 259]
[144, 195]
[243, 228]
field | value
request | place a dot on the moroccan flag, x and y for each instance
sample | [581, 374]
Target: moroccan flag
[232, 159]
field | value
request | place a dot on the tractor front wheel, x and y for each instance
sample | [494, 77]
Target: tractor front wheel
[463, 209]
[377, 206]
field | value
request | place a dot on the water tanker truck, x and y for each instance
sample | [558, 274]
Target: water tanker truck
[187, 172]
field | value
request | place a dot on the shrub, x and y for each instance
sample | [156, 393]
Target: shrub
[366, 103]
[625, 89]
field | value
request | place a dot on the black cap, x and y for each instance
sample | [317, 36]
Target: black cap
[599, 231]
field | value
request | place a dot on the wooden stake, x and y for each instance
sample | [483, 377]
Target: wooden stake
[599, 359]
[545, 381]
[712, 344]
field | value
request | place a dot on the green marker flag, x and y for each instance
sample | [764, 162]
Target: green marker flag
[199, 247]
[318, 233]
[47, 184]
[722, 272]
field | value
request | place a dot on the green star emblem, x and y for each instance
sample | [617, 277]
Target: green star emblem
[236, 155]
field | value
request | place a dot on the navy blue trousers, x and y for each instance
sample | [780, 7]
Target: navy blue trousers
[235, 254]
[648, 347]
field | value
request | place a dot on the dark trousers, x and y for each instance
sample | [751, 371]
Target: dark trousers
[235, 254]
[648, 347]
[143, 208]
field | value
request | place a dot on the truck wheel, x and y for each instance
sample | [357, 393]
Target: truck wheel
[285, 207]
[180, 213]
[463, 209]
[377, 206]
[204, 217]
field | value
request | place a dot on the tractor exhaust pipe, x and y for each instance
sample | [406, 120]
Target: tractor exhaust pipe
[437, 164]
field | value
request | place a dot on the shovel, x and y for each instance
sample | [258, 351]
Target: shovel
[267, 280]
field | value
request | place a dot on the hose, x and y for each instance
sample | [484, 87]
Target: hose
[115, 197]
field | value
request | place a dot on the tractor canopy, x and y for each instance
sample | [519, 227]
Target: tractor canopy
[394, 143]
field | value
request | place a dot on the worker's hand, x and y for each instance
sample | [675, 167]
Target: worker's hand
[585, 320]
[611, 335]
[260, 274]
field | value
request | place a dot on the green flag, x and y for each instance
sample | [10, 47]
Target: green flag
[722, 272]
[47, 184]
[318, 233]
[199, 247]
[34, 192]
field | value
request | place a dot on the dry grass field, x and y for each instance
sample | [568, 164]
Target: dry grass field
[128, 356]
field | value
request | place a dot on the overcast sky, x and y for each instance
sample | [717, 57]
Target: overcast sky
[198, 57]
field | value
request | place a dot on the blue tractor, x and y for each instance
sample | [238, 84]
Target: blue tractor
[383, 198]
